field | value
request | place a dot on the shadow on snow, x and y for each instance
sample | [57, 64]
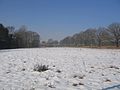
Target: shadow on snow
[113, 87]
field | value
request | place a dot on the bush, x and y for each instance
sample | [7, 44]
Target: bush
[40, 68]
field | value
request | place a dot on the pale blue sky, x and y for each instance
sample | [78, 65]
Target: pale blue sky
[59, 18]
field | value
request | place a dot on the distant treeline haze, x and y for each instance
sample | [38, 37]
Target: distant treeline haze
[9, 38]
[22, 38]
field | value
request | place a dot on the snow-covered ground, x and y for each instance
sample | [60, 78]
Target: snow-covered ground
[69, 69]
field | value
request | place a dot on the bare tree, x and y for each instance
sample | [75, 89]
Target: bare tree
[21, 36]
[89, 36]
[27, 39]
[114, 30]
[4, 37]
[67, 41]
[101, 34]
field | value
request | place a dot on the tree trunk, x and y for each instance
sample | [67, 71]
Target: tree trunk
[99, 43]
[117, 43]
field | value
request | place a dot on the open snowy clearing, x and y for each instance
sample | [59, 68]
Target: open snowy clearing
[69, 69]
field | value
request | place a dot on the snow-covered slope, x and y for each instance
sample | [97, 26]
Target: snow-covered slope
[69, 69]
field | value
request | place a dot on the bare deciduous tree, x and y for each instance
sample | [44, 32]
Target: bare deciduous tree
[100, 35]
[114, 30]
[27, 39]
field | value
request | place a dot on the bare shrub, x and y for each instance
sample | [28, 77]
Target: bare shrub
[41, 68]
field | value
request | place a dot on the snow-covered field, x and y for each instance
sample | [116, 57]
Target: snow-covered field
[69, 69]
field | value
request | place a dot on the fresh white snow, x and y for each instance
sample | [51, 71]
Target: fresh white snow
[81, 69]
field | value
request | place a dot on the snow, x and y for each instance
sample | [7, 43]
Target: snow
[80, 69]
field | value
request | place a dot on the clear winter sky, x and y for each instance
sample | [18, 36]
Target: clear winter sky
[59, 18]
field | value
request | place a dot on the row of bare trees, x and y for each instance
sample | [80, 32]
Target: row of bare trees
[21, 38]
[108, 36]
[50, 43]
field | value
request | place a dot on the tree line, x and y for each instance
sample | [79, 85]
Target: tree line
[24, 38]
[50, 43]
[102, 36]
[21, 38]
